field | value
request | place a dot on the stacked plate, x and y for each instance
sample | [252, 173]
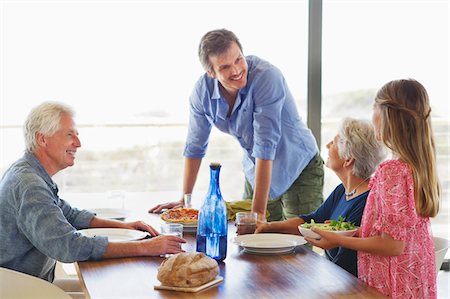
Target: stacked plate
[117, 214]
[269, 243]
[115, 234]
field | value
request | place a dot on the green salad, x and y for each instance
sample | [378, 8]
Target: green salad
[336, 225]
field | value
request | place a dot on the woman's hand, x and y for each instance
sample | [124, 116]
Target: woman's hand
[261, 226]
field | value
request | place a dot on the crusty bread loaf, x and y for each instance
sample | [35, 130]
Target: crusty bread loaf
[187, 269]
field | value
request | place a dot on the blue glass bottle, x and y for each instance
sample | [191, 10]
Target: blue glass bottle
[212, 227]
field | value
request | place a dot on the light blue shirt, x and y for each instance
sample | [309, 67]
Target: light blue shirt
[264, 120]
[37, 227]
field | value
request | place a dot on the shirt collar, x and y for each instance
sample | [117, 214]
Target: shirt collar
[36, 164]
[216, 92]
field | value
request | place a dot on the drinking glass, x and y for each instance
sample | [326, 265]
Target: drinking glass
[172, 229]
[246, 222]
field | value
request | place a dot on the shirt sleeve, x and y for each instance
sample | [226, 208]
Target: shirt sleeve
[199, 126]
[43, 222]
[79, 219]
[269, 97]
[395, 192]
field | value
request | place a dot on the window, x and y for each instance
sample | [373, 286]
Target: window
[127, 68]
[368, 43]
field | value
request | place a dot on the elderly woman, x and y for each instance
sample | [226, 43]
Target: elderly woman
[353, 155]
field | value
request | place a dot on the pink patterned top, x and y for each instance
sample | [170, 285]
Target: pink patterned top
[390, 209]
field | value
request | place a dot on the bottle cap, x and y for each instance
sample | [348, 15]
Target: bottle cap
[214, 165]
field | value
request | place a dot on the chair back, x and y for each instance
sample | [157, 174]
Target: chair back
[17, 285]
[441, 246]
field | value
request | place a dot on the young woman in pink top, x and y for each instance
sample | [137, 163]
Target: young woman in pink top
[395, 245]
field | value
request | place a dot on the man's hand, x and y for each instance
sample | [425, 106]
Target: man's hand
[148, 247]
[169, 205]
[162, 245]
[141, 225]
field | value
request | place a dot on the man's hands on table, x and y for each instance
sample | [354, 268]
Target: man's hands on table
[168, 205]
[161, 245]
[142, 226]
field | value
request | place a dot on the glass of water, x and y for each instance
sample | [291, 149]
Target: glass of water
[172, 229]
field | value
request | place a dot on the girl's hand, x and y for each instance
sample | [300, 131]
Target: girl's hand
[328, 240]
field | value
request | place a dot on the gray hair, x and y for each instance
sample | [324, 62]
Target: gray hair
[213, 43]
[357, 140]
[43, 119]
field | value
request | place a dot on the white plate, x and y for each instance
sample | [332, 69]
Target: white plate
[306, 232]
[115, 234]
[269, 243]
[269, 251]
[118, 214]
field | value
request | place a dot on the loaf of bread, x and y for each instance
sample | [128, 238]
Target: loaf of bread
[187, 269]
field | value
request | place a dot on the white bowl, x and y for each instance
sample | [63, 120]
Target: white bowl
[306, 232]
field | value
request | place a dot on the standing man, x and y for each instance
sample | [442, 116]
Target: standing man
[249, 99]
[37, 228]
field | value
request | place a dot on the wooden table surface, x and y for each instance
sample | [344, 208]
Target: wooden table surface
[300, 274]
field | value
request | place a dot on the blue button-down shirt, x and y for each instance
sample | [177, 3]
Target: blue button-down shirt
[264, 120]
[37, 227]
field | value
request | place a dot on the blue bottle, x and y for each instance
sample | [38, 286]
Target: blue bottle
[212, 227]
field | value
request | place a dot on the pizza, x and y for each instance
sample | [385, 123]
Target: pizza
[181, 215]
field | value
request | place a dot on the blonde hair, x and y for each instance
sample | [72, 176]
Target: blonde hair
[404, 107]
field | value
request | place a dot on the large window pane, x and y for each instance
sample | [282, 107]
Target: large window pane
[368, 43]
[128, 67]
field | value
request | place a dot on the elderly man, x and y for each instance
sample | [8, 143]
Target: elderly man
[37, 228]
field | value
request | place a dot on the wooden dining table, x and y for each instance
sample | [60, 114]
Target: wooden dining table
[301, 273]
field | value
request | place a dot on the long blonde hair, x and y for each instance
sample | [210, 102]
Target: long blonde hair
[405, 109]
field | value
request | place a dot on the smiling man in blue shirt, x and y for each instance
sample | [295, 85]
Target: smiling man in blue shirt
[249, 99]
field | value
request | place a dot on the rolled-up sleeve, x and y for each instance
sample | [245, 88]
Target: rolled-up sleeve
[199, 126]
[79, 219]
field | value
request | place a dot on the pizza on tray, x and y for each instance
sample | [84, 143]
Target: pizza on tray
[181, 215]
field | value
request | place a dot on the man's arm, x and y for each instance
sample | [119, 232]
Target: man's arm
[263, 176]
[191, 168]
[149, 247]
[109, 223]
